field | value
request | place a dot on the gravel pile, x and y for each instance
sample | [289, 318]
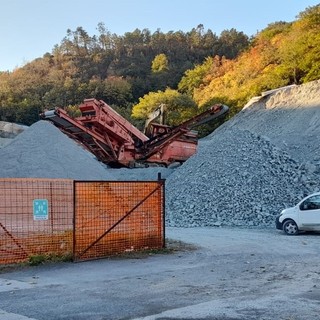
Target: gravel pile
[289, 117]
[264, 159]
[43, 151]
[141, 174]
[236, 179]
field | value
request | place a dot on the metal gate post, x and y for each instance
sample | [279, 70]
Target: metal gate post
[162, 181]
[74, 221]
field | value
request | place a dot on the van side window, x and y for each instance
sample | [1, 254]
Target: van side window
[311, 203]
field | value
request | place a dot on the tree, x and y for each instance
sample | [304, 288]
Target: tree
[179, 106]
[309, 42]
[300, 49]
[117, 91]
[194, 78]
[232, 43]
[160, 63]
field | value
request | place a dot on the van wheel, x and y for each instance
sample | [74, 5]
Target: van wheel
[290, 228]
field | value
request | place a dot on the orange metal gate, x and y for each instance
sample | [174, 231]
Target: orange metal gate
[114, 217]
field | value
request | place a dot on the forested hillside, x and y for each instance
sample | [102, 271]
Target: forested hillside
[187, 71]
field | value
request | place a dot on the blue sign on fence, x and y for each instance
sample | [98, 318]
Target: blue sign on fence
[40, 209]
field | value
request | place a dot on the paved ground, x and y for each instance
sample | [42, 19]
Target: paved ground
[225, 274]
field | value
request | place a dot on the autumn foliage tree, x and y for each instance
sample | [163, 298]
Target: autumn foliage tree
[282, 54]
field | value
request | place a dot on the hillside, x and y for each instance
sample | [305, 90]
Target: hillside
[187, 71]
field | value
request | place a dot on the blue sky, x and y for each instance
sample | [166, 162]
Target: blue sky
[30, 28]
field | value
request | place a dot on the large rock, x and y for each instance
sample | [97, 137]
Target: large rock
[10, 130]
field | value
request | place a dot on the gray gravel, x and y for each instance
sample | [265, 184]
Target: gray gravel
[221, 274]
[289, 117]
[43, 151]
[264, 159]
[236, 179]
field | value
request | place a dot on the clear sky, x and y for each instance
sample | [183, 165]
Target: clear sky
[30, 28]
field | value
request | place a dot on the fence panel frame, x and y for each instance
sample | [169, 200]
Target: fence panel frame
[159, 188]
[23, 233]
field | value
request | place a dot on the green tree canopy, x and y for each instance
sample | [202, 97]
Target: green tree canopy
[179, 107]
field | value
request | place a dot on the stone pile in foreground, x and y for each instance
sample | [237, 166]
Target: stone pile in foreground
[236, 179]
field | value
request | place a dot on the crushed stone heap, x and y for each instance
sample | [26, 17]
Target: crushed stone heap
[264, 159]
[43, 151]
[236, 179]
[289, 117]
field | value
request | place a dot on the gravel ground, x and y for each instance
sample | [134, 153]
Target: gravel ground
[221, 274]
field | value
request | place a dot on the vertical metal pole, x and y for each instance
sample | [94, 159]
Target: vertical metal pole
[162, 181]
[50, 206]
[74, 221]
[164, 212]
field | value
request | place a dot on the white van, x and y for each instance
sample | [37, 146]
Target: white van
[305, 216]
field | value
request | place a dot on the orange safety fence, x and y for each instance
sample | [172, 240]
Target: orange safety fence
[112, 217]
[83, 219]
[35, 218]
